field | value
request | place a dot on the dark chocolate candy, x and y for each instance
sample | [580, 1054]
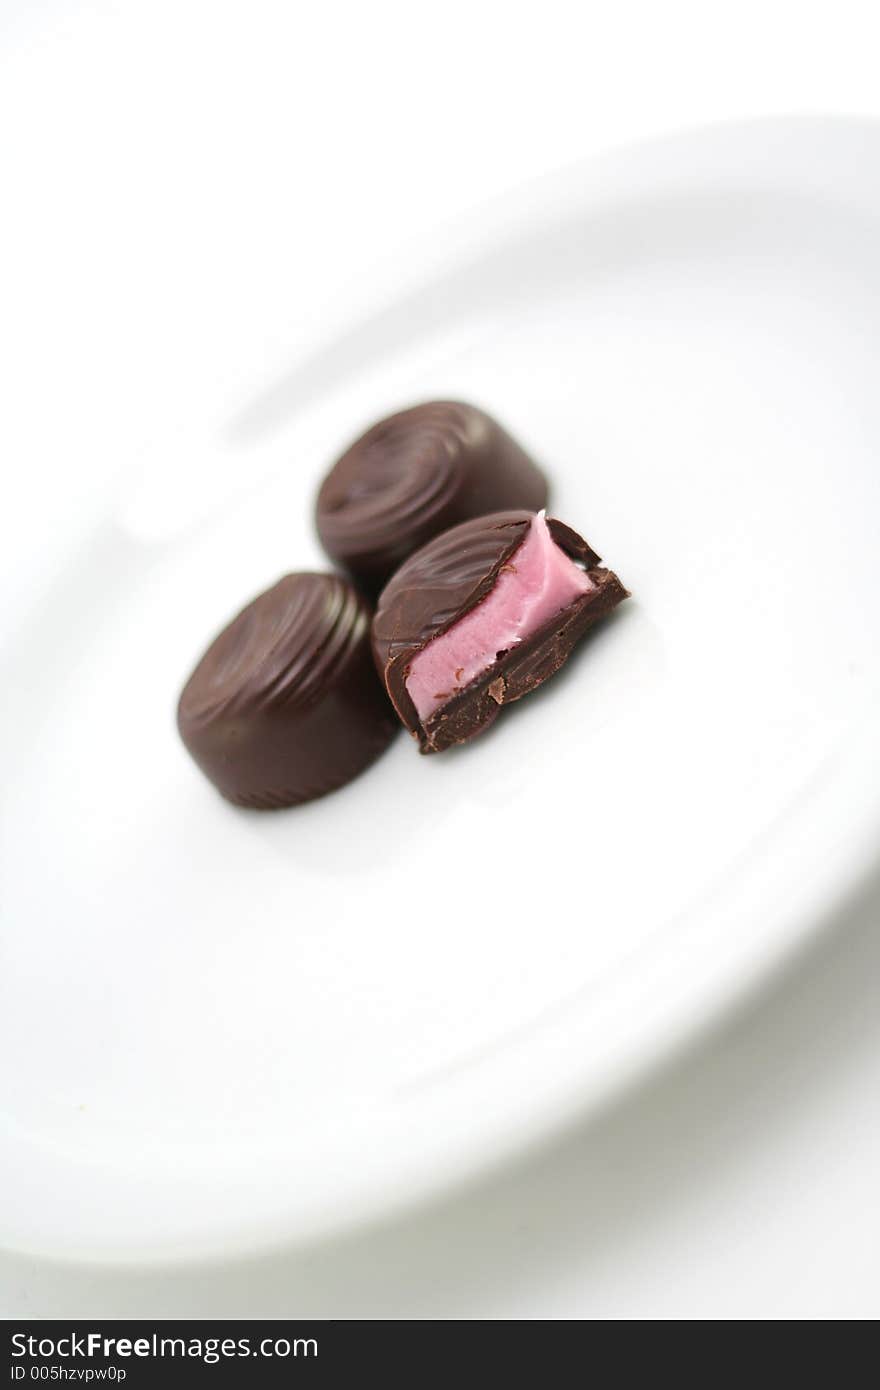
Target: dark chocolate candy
[447, 579]
[414, 475]
[285, 704]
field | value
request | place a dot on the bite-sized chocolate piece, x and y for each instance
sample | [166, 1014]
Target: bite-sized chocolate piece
[414, 475]
[285, 704]
[483, 615]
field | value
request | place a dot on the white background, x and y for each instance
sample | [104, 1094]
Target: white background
[741, 1181]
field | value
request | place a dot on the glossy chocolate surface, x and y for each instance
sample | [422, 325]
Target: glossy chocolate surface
[449, 577]
[415, 474]
[285, 704]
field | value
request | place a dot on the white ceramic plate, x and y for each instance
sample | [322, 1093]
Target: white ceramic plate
[221, 1029]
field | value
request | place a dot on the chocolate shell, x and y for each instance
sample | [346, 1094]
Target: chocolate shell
[445, 580]
[285, 704]
[413, 475]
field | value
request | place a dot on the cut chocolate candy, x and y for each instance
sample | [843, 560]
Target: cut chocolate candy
[414, 475]
[285, 705]
[483, 615]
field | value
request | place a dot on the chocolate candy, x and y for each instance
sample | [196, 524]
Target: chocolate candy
[481, 616]
[285, 704]
[414, 475]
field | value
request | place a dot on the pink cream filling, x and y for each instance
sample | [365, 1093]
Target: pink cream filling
[538, 581]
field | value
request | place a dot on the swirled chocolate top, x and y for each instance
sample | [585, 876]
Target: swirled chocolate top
[285, 704]
[414, 475]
